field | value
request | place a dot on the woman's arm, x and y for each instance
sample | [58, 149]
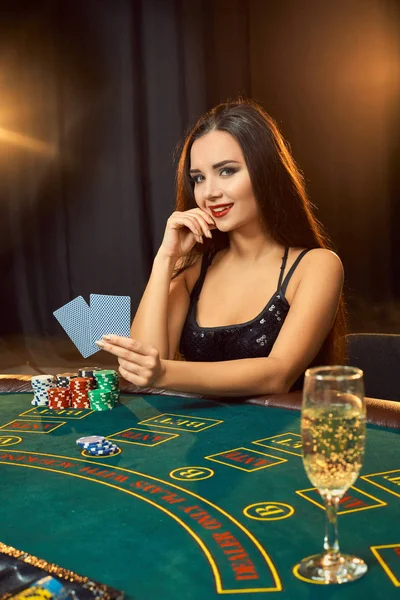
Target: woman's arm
[242, 377]
[151, 319]
[307, 324]
[162, 310]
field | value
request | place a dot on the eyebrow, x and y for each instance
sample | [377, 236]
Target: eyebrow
[216, 166]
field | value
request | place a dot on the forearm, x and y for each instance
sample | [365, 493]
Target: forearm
[150, 324]
[243, 377]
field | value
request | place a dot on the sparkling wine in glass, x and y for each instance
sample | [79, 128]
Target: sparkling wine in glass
[333, 421]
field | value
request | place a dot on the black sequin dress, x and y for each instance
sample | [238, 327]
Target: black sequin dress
[252, 339]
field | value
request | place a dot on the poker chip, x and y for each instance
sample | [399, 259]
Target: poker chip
[59, 397]
[97, 445]
[101, 400]
[41, 384]
[103, 452]
[90, 439]
[89, 372]
[106, 445]
[42, 379]
[36, 403]
[63, 379]
[106, 394]
[79, 388]
[91, 388]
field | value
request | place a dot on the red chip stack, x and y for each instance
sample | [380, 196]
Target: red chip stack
[79, 387]
[59, 397]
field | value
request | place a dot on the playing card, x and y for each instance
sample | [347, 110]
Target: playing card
[109, 314]
[74, 317]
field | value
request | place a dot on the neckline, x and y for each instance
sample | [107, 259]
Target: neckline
[236, 325]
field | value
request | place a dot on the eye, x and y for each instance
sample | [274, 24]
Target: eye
[227, 171]
[196, 178]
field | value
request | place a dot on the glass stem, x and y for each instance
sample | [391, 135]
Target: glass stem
[331, 542]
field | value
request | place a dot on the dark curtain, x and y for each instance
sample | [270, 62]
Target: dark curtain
[95, 97]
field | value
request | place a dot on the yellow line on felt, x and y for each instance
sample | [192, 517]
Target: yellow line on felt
[184, 491]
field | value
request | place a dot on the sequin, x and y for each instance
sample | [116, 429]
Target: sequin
[254, 338]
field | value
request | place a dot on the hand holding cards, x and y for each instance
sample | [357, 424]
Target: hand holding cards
[85, 324]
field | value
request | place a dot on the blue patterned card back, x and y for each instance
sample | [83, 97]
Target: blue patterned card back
[109, 314]
[74, 317]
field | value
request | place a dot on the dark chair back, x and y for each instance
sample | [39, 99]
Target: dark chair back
[378, 355]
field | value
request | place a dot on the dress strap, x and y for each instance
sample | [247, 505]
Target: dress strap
[205, 263]
[283, 266]
[291, 271]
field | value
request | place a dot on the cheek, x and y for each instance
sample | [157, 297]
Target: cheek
[242, 189]
[198, 197]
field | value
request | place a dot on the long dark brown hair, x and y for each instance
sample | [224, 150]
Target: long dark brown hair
[278, 187]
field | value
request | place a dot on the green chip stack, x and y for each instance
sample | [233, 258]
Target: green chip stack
[106, 396]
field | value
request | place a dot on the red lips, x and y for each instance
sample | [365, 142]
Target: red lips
[220, 213]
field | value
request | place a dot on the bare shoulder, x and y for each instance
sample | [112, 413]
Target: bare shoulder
[319, 259]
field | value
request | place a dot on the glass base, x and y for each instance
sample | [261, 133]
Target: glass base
[322, 569]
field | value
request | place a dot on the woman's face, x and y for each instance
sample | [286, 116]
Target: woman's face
[222, 185]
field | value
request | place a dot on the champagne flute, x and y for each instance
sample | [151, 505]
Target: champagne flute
[333, 421]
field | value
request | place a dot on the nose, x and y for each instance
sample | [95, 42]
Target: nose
[211, 189]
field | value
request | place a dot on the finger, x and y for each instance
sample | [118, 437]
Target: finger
[136, 359]
[191, 223]
[205, 216]
[199, 227]
[130, 366]
[143, 365]
[132, 378]
[118, 341]
[203, 224]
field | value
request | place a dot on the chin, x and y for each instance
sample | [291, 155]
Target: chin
[225, 228]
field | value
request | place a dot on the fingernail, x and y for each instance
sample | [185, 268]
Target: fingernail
[100, 343]
[107, 336]
[209, 234]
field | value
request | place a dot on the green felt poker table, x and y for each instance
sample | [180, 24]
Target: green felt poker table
[206, 498]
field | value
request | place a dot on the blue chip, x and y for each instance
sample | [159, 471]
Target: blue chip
[112, 450]
[101, 446]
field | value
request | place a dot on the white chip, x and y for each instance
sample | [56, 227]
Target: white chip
[90, 439]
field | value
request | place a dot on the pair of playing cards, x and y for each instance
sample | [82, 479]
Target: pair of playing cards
[85, 324]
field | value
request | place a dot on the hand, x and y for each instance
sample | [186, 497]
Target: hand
[138, 363]
[184, 229]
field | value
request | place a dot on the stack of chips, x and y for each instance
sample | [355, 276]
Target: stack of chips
[89, 372]
[101, 400]
[106, 395]
[41, 384]
[79, 388]
[59, 397]
[107, 380]
[63, 379]
[97, 445]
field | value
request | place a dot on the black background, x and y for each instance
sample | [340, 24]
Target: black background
[101, 92]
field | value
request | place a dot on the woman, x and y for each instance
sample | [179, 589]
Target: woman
[243, 235]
